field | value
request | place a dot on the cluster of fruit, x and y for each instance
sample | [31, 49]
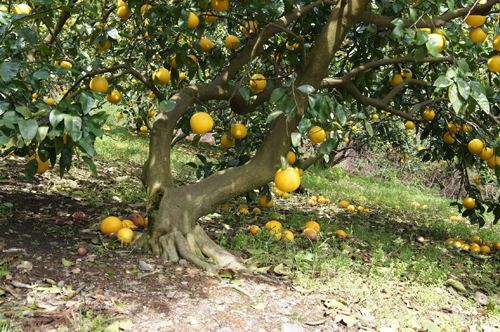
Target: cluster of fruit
[424, 207]
[123, 230]
[476, 245]
[274, 228]
[351, 207]
[313, 201]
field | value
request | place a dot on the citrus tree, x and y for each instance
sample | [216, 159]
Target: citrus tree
[266, 76]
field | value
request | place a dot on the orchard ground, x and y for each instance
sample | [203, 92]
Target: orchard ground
[379, 278]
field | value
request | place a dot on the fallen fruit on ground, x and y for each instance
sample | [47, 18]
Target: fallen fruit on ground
[254, 229]
[82, 251]
[341, 233]
[310, 233]
[264, 203]
[125, 235]
[344, 204]
[288, 236]
[314, 225]
[136, 218]
[273, 224]
[276, 233]
[111, 224]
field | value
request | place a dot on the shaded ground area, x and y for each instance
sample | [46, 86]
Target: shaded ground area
[49, 287]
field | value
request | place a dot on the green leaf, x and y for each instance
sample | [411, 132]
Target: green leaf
[328, 146]
[245, 93]
[306, 88]
[41, 75]
[398, 31]
[463, 65]
[341, 114]
[413, 14]
[463, 88]
[368, 128]
[42, 132]
[8, 70]
[4, 140]
[420, 53]
[121, 130]
[72, 123]
[28, 35]
[451, 5]
[28, 129]
[304, 125]
[421, 38]
[31, 169]
[296, 138]
[432, 46]
[87, 102]
[277, 94]
[86, 147]
[26, 112]
[455, 99]
[273, 115]
[455, 284]
[167, 105]
[443, 82]
[55, 118]
[67, 263]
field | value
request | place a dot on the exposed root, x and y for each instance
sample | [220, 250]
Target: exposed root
[194, 247]
[184, 251]
[219, 254]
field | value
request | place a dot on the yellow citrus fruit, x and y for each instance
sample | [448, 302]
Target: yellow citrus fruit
[254, 229]
[288, 236]
[493, 161]
[193, 59]
[106, 46]
[310, 233]
[263, 201]
[477, 180]
[123, 12]
[475, 20]
[469, 203]
[496, 43]
[351, 207]
[448, 138]
[476, 239]
[50, 101]
[151, 113]
[494, 63]
[120, 116]
[429, 114]
[439, 39]
[465, 247]
[273, 224]
[99, 84]
[396, 79]
[193, 20]
[257, 211]
[144, 129]
[276, 233]
[226, 142]
[232, 43]
[243, 210]
[114, 97]
[497, 245]
[34, 95]
[287, 179]
[405, 72]
[250, 27]
[314, 225]
[128, 224]
[111, 224]
[22, 8]
[182, 76]
[317, 135]
[201, 123]
[238, 131]
[43, 166]
[257, 85]
[4, 8]
[477, 35]
[341, 233]
[208, 17]
[475, 146]
[485, 249]
[151, 94]
[125, 235]
[450, 240]
[291, 157]
[162, 74]
[344, 204]
[144, 10]
[206, 44]
[409, 125]
[220, 5]
[66, 64]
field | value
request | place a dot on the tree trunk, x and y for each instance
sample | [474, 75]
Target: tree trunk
[173, 212]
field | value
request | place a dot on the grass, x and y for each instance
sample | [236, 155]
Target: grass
[381, 266]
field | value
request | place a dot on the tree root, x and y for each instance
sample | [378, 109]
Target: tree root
[194, 247]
